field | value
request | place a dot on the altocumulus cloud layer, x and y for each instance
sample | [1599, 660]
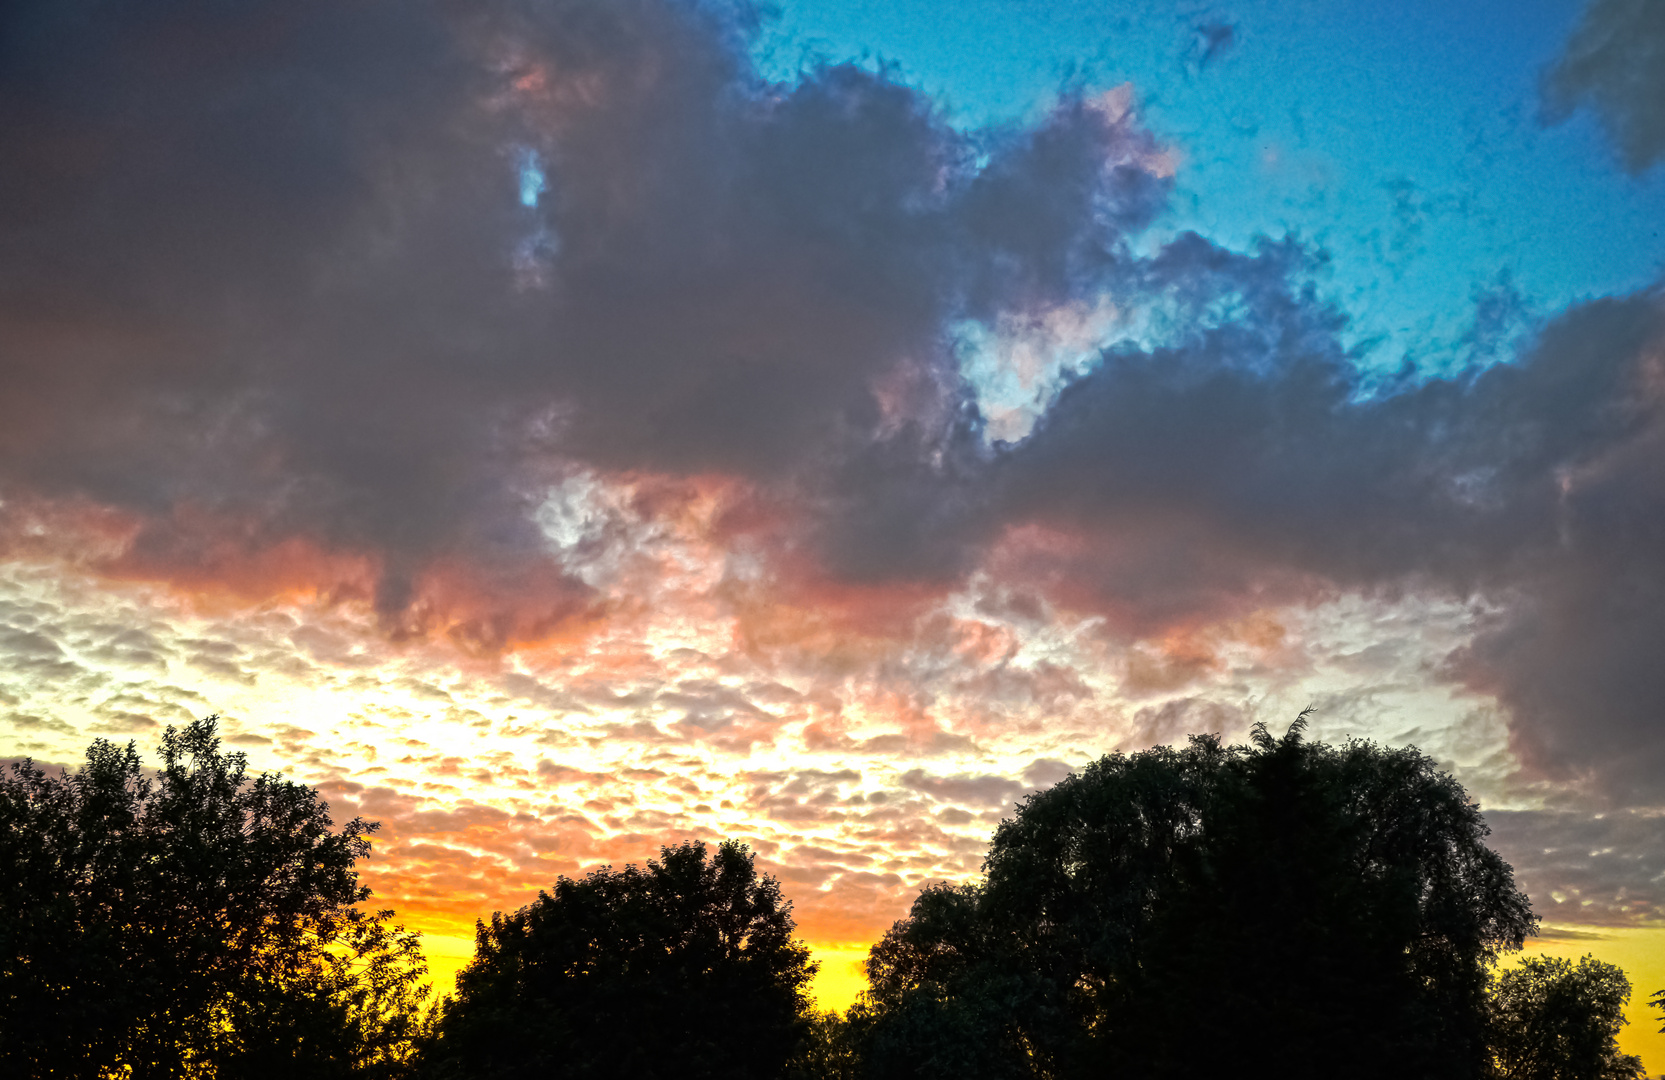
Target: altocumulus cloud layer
[549, 347]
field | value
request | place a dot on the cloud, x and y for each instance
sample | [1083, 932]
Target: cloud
[988, 790]
[1244, 464]
[326, 298]
[1603, 869]
[519, 329]
[1173, 720]
[1212, 40]
[1614, 64]
[1045, 772]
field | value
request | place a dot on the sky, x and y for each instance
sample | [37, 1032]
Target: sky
[559, 428]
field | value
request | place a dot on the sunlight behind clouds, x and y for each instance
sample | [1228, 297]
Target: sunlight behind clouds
[856, 785]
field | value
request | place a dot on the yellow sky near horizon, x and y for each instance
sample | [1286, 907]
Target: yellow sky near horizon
[1640, 951]
[838, 978]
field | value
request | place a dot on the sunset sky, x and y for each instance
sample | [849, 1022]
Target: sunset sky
[559, 428]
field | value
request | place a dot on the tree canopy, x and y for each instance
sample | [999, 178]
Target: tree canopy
[1285, 907]
[204, 922]
[1552, 1020]
[684, 968]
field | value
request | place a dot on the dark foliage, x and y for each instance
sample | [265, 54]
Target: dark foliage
[1551, 1020]
[830, 1050]
[685, 968]
[1284, 908]
[202, 923]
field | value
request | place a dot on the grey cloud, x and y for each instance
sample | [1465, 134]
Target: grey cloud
[36, 657]
[806, 795]
[937, 743]
[710, 706]
[527, 688]
[29, 644]
[422, 690]
[268, 278]
[1045, 772]
[1586, 868]
[1211, 41]
[1014, 605]
[818, 855]
[914, 505]
[224, 667]
[126, 646]
[801, 781]
[322, 645]
[1050, 685]
[32, 722]
[1244, 464]
[555, 772]
[1173, 720]
[964, 788]
[1614, 63]
[120, 723]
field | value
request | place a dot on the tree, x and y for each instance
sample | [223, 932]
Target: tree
[828, 1052]
[354, 1008]
[156, 927]
[1282, 908]
[684, 968]
[947, 994]
[1551, 1020]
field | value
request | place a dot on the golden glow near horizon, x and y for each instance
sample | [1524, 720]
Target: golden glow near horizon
[839, 977]
[1640, 951]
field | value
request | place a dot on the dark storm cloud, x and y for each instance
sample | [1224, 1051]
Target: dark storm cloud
[1245, 462]
[1255, 439]
[232, 296]
[1614, 63]
[359, 273]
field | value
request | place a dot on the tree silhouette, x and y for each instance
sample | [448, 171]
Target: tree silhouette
[829, 1051]
[354, 1008]
[684, 968]
[1551, 1020]
[1283, 908]
[163, 926]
